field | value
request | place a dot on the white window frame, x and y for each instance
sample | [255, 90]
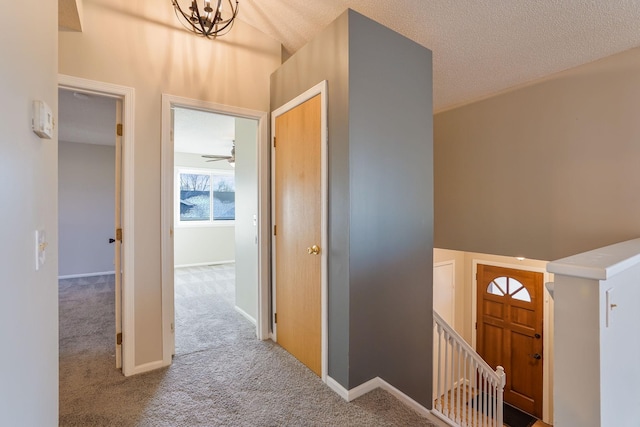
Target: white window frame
[176, 203]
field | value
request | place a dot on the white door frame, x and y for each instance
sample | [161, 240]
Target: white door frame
[127, 95]
[319, 89]
[167, 215]
[546, 324]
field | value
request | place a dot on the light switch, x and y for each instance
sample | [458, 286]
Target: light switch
[41, 247]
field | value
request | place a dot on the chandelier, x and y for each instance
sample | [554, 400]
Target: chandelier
[207, 20]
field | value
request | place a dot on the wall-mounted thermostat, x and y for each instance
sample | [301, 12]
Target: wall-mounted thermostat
[42, 121]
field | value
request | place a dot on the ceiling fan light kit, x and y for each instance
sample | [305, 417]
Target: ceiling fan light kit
[206, 18]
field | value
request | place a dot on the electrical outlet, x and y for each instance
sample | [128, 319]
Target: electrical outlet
[41, 248]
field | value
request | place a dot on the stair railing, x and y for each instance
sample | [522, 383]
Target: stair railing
[467, 391]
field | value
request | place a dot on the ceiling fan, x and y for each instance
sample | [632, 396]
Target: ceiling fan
[216, 157]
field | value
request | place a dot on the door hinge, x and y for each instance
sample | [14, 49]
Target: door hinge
[119, 234]
[274, 142]
[119, 338]
[275, 230]
[476, 325]
[275, 317]
[119, 129]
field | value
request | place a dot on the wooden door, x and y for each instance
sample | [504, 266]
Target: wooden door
[298, 228]
[118, 234]
[509, 323]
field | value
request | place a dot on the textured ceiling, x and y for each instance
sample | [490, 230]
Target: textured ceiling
[480, 47]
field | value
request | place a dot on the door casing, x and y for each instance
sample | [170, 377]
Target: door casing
[319, 89]
[167, 215]
[127, 96]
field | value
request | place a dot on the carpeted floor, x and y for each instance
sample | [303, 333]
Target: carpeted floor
[221, 374]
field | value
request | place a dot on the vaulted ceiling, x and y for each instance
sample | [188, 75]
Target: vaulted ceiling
[480, 47]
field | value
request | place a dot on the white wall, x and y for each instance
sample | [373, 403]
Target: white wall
[130, 44]
[202, 245]
[596, 304]
[29, 201]
[86, 205]
[247, 216]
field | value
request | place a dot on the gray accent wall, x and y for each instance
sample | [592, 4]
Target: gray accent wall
[391, 233]
[380, 199]
[86, 208]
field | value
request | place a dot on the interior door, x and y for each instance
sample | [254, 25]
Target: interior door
[297, 236]
[118, 232]
[509, 323]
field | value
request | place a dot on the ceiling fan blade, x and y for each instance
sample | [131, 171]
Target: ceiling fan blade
[215, 156]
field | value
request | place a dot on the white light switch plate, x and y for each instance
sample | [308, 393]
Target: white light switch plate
[41, 248]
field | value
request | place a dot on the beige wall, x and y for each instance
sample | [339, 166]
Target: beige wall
[544, 171]
[29, 201]
[129, 43]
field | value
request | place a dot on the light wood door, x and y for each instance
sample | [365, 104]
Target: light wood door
[510, 319]
[298, 229]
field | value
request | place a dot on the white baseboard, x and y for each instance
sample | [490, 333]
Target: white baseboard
[75, 276]
[202, 264]
[146, 367]
[378, 382]
[335, 386]
[246, 315]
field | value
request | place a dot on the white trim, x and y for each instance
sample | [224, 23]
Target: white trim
[546, 324]
[167, 214]
[319, 89]
[127, 95]
[147, 367]
[337, 387]
[76, 276]
[203, 264]
[246, 315]
[377, 382]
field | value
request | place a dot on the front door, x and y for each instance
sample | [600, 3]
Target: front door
[298, 232]
[509, 323]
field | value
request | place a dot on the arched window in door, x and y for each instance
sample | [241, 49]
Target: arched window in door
[502, 286]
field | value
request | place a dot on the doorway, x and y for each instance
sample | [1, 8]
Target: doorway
[299, 212]
[510, 331]
[222, 194]
[97, 114]
[215, 221]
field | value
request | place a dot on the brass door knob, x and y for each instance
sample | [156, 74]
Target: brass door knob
[314, 250]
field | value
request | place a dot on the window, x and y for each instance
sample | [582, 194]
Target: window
[205, 197]
[502, 286]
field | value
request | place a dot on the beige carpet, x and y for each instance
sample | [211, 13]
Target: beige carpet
[221, 374]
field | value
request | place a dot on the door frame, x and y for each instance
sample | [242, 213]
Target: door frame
[318, 89]
[127, 96]
[546, 324]
[167, 214]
